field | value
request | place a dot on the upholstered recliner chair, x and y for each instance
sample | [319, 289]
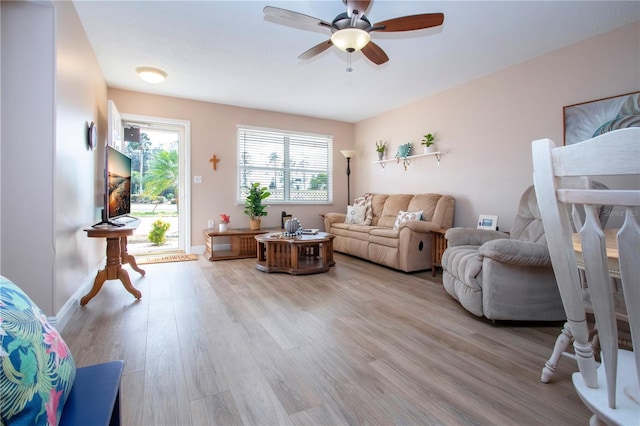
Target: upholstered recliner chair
[501, 276]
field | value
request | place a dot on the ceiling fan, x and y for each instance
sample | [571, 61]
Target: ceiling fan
[350, 31]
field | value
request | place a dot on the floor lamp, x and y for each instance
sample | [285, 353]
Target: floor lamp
[348, 154]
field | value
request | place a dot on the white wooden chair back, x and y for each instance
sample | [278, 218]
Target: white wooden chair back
[610, 390]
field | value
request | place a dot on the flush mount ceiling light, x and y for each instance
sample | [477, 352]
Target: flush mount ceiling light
[151, 75]
[350, 39]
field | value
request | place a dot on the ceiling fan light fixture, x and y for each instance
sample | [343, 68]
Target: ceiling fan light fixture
[350, 39]
[151, 75]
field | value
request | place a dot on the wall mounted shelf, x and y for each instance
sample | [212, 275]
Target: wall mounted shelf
[406, 160]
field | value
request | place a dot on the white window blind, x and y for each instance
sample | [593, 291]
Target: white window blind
[296, 167]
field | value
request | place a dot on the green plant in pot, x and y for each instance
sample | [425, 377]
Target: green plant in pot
[428, 142]
[381, 147]
[253, 206]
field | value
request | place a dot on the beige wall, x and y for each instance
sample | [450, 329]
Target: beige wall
[52, 88]
[213, 131]
[81, 97]
[27, 150]
[485, 127]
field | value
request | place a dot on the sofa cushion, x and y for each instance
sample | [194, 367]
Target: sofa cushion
[377, 205]
[37, 367]
[355, 215]
[392, 207]
[359, 232]
[385, 237]
[528, 224]
[406, 217]
[366, 201]
[425, 202]
[385, 241]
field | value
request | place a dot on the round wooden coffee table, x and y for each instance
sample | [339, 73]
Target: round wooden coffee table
[305, 254]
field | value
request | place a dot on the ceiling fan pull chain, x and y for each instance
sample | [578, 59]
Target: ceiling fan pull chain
[349, 69]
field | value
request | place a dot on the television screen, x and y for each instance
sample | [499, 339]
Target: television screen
[118, 183]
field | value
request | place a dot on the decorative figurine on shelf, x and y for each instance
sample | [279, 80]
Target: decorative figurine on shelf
[381, 147]
[404, 151]
[428, 142]
[224, 222]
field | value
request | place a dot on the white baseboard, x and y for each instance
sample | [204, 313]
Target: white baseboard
[71, 305]
[197, 249]
[201, 249]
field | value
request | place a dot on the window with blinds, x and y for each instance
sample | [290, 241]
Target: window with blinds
[296, 167]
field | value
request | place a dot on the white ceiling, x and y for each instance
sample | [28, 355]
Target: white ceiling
[226, 52]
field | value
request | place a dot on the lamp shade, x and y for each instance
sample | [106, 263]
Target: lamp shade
[151, 75]
[348, 153]
[350, 39]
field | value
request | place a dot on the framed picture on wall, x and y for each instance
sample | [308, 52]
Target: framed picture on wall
[487, 222]
[589, 119]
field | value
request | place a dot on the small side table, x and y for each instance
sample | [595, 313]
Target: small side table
[116, 257]
[438, 246]
[243, 243]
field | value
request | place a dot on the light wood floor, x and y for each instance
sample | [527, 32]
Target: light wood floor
[222, 343]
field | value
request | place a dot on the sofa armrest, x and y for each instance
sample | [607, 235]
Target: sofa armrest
[443, 213]
[330, 218]
[420, 226]
[472, 236]
[516, 252]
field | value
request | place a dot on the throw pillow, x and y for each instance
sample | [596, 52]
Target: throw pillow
[355, 215]
[37, 369]
[365, 201]
[405, 217]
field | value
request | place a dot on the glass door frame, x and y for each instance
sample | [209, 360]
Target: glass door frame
[183, 127]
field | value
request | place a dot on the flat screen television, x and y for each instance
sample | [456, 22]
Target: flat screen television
[117, 177]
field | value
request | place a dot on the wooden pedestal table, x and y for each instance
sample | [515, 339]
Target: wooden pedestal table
[116, 257]
[306, 254]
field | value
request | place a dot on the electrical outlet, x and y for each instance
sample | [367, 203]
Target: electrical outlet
[197, 179]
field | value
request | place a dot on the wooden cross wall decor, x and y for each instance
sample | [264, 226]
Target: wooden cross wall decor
[215, 161]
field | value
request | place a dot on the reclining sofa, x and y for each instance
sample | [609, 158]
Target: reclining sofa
[391, 234]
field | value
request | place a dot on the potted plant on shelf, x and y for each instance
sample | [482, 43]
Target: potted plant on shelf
[253, 206]
[381, 147]
[428, 142]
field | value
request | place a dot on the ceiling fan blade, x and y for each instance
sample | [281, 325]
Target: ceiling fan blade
[410, 23]
[359, 5]
[375, 53]
[315, 50]
[289, 17]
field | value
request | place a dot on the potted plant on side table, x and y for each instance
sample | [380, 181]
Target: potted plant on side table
[253, 206]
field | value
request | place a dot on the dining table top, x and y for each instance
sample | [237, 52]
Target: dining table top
[611, 242]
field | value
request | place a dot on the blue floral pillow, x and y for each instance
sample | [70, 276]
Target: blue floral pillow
[36, 367]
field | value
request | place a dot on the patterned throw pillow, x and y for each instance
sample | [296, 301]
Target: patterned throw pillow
[365, 201]
[355, 215]
[405, 217]
[36, 367]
